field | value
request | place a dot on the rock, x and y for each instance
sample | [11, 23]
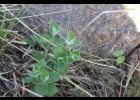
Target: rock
[109, 32]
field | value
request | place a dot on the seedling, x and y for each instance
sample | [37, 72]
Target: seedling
[120, 59]
[43, 79]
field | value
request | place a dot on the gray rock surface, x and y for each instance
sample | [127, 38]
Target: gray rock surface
[109, 32]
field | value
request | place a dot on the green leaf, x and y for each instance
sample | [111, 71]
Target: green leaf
[38, 56]
[69, 60]
[36, 69]
[54, 28]
[60, 52]
[70, 36]
[75, 52]
[38, 39]
[60, 59]
[50, 64]
[117, 53]
[41, 88]
[47, 37]
[54, 76]
[29, 42]
[44, 76]
[44, 44]
[73, 43]
[35, 38]
[54, 60]
[52, 48]
[60, 41]
[61, 66]
[32, 88]
[75, 55]
[29, 79]
[35, 74]
[42, 64]
[52, 89]
[66, 69]
[120, 59]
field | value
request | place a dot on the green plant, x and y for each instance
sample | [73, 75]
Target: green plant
[43, 79]
[2, 33]
[120, 59]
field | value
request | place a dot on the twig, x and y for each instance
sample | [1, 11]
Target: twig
[34, 15]
[10, 31]
[101, 64]
[121, 85]
[5, 73]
